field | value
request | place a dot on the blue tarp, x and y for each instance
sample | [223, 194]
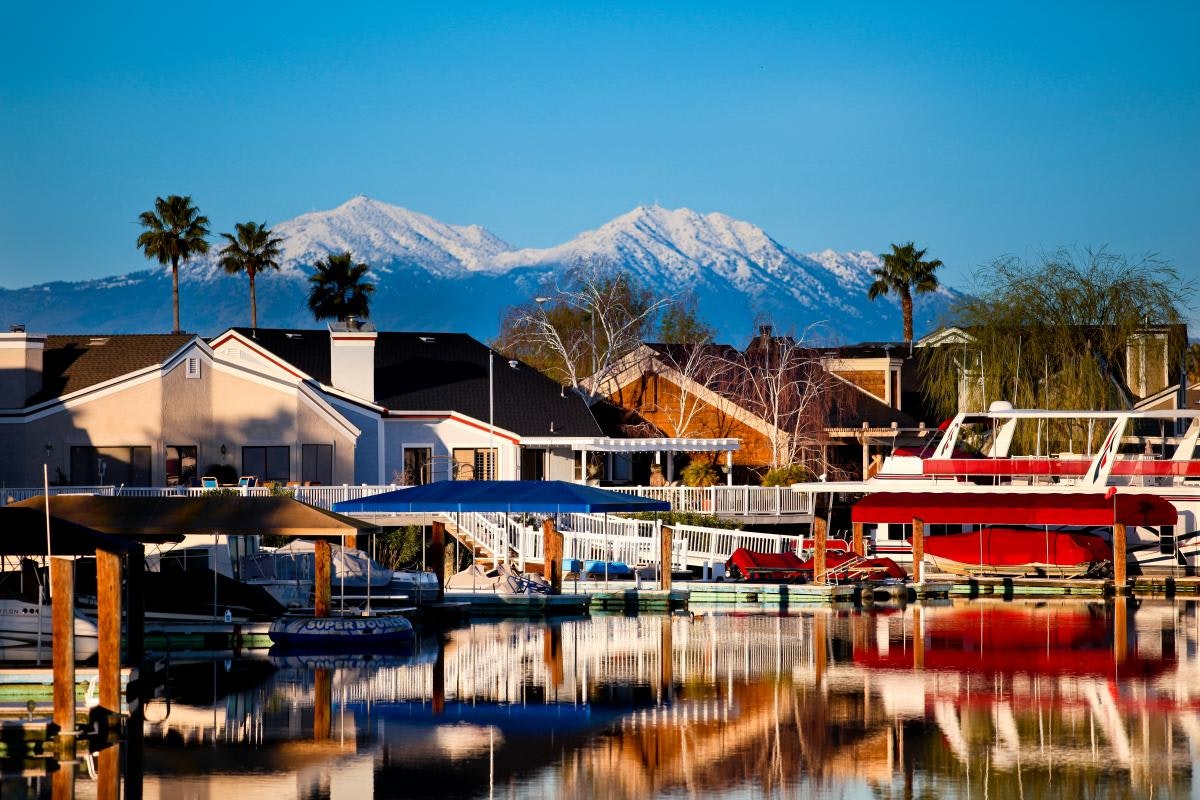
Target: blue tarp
[547, 497]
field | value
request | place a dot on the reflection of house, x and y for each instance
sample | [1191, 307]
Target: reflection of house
[145, 410]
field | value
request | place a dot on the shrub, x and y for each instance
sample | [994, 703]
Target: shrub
[700, 473]
[786, 476]
[689, 518]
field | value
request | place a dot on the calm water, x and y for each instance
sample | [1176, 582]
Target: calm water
[983, 699]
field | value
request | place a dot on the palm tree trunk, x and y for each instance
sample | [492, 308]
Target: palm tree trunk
[906, 307]
[175, 293]
[253, 302]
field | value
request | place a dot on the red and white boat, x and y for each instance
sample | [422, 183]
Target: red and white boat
[1132, 454]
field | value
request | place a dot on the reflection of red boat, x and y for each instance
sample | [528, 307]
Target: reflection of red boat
[988, 640]
[839, 564]
[996, 548]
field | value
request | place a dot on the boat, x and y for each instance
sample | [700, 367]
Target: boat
[345, 634]
[1018, 454]
[840, 565]
[26, 631]
[996, 549]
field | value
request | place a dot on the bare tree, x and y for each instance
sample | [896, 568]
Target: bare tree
[780, 379]
[696, 374]
[582, 328]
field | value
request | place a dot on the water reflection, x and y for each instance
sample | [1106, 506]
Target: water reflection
[980, 699]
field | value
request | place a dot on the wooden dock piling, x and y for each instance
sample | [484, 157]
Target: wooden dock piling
[820, 545]
[1119, 542]
[857, 542]
[552, 543]
[62, 604]
[664, 558]
[437, 557]
[918, 547]
[322, 578]
[108, 620]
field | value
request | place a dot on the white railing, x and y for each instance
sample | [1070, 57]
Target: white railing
[320, 496]
[730, 500]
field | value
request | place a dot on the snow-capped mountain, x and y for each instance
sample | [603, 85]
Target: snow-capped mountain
[434, 276]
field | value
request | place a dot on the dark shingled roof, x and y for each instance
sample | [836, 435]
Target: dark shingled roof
[71, 363]
[444, 372]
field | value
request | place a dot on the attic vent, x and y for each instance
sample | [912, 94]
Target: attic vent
[292, 335]
[96, 341]
[233, 352]
[193, 367]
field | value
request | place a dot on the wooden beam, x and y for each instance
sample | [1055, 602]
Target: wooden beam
[62, 780]
[552, 548]
[664, 556]
[820, 545]
[918, 548]
[108, 621]
[858, 545]
[108, 773]
[62, 602]
[437, 556]
[1119, 555]
[322, 577]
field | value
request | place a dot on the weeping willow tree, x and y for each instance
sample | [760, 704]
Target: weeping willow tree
[1075, 330]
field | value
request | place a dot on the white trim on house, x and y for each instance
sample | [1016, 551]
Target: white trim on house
[608, 444]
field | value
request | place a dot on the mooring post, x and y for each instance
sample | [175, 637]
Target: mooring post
[664, 557]
[857, 544]
[437, 557]
[62, 602]
[1119, 541]
[819, 546]
[552, 548]
[918, 548]
[108, 622]
[322, 577]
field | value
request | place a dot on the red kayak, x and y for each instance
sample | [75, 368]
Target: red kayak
[1017, 550]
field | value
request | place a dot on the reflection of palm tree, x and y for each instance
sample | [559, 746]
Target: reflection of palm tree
[254, 249]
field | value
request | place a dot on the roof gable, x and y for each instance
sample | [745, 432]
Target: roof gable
[73, 363]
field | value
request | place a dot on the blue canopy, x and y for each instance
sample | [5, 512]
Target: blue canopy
[549, 497]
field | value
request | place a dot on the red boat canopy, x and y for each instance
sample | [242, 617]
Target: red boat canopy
[1014, 508]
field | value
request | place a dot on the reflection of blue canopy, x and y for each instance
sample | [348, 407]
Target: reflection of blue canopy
[549, 497]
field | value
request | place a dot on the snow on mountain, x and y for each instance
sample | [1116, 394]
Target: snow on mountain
[381, 235]
[435, 276]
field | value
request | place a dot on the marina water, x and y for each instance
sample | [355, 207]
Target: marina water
[982, 698]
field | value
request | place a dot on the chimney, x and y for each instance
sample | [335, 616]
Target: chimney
[352, 357]
[764, 331]
[20, 366]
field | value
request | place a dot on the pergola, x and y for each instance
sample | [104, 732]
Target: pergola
[657, 445]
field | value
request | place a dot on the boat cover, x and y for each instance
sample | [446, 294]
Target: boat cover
[1015, 508]
[999, 546]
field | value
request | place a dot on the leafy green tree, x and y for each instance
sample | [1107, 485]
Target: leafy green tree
[338, 288]
[253, 249]
[680, 323]
[905, 271]
[174, 232]
[1056, 334]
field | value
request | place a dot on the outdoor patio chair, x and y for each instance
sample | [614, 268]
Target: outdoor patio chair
[208, 482]
[247, 481]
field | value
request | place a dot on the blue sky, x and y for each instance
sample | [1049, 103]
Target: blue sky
[977, 130]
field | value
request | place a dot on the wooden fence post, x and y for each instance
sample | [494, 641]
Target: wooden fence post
[819, 547]
[437, 557]
[918, 548]
[1119, 543]
[664, 558]
[552, 548]
[62, 611]
[858, 545]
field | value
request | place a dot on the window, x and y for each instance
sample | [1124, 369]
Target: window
[267, 463]
[418, 466]
[533, 464]
[316, 463]
[474, 464]
[110, 466]
[898, 533]
[181, 464]
[1166, 540]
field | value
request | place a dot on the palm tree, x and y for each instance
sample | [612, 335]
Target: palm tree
[903, 271]
[254, 249]
[175, 232]
[338, 289]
